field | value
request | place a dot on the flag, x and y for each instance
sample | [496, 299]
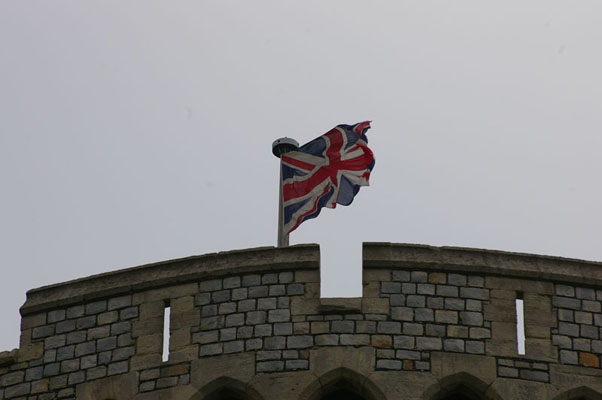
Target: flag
[328, 170]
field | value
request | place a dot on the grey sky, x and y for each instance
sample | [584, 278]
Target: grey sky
[138, 131]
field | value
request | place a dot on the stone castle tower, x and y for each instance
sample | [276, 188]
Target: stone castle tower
[432, 324]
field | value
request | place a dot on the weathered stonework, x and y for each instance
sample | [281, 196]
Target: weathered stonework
[432, 322]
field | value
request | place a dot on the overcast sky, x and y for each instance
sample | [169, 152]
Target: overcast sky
[138, 131]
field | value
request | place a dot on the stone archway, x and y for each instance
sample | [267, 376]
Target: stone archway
[580, 393]
[226, 388]
[342, 384]
[461, 386]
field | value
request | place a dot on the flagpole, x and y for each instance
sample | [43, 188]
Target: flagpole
[279, 147]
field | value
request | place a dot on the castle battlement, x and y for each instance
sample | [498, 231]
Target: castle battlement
[432, 323]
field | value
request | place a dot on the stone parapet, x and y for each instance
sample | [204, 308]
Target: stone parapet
[251, 324]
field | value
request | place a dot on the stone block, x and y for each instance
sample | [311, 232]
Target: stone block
[508, 372]
[226, 308]
[413, 329]
[480, 333]
[397, 300]
[388, 364]
[54, 342]
[247, 305]
[447, 291]
[96, 307]
[69, 366]
[279, 316]
[65, 353]
[235, 320]
[117, 368]
[295, 289]
[568, 357]
[223, 296]
[270, 366]
[408, 288]
[236, 346]
[33, 321]
[428, 343]
[402, 313]
[474, 293]
[301, 328]
[581, 293]
[400, 276]
[404, 342]
[269, 303]
[566, 302]
[253, 344]
[256, 317]
[374, 305]
[284, 302]
[297, 364]
[12, 378]
[285, 328]
[342, 326]
[564, 290]
[435, 330]
[531, 375]
[263, 330]
[277, 290]
[274, 343]
[471, 318]
[474, 305]
[435, 303]
[476, 281]
[424, 314]
[456, 279]
[568, 329]
[389, 327]
[475, 347]
[211, 349]
[99, 332]
[355, 340]
[245, 332]
[390, 287]
[446, 317]
[327, 340]
[108, 317]
[437, 277]
[286, 277]
[211, 285]
[590, 332]
[119, 302]
[299, 342]
[454, 345]
[591, 306]
[415, 301]
[55, 316]
[17, 390]
[419, 276]
[43, 331]
[425, 289]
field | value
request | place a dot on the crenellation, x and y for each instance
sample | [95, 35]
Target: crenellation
[419, 309]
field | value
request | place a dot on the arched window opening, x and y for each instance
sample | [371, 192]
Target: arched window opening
[460, 396]
[225, 394]
[342, 394]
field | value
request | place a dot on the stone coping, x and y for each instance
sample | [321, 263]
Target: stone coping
[172, 272]
[379, 255]
[307, 256]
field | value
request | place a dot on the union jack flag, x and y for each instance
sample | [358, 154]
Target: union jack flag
[328, 170]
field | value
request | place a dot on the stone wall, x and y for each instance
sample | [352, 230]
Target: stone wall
[251, 324]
